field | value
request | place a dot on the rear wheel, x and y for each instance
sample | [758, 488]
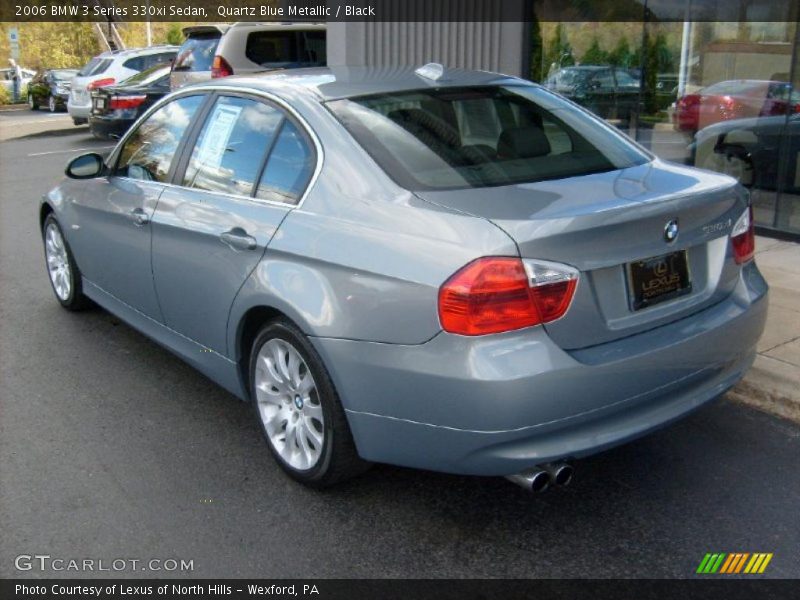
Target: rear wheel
[65, 277]
[298, 409]
[32, 104]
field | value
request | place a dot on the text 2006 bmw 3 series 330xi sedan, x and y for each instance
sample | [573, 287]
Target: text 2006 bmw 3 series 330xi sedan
[443, 269]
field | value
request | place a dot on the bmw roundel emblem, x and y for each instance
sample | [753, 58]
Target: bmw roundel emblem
[671, 231]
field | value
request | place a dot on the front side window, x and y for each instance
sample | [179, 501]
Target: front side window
[148, 152]
[451, 138]
[231, 148]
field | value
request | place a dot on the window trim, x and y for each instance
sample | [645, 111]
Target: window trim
[211, 92]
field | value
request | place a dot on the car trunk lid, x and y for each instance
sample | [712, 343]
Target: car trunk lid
[602, 224]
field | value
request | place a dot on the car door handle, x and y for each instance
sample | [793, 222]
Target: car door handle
[238, 239]
[139, 217]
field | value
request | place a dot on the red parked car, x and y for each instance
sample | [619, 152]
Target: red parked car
[739, 99]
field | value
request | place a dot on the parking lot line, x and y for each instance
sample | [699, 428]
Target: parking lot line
[68, 151]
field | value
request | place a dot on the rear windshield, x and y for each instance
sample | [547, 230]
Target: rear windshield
[149, 76]
[197, 52]
[95, 66]
[286, 49]
[451, 138]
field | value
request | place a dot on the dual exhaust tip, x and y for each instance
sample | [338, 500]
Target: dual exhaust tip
[540, 478]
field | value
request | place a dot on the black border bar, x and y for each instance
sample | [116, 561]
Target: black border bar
[727, 588]
[398, 10]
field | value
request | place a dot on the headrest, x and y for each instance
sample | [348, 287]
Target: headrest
[523, 142]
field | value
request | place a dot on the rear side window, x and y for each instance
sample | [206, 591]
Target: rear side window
[289, 168]
[137, 63]
[197, 52]
[96, 66]
[148, 152]
[231, 148]
[451, 138]
[286, 49]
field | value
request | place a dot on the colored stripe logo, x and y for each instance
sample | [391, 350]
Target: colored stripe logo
[734, 562]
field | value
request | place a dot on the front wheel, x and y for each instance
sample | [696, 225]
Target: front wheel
[51, 104]
[65, 277]
[32, 104]
[298, 409]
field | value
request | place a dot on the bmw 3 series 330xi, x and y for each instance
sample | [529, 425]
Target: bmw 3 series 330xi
[449, 270]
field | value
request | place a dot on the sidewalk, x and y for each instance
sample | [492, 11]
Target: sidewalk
[773, 384]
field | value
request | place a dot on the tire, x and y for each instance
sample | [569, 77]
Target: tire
[318, 450]
[64, 275]
[98, 135]
[52, 105]
[32, 104]
[78, 121]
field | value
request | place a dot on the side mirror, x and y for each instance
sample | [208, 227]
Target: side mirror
[85, 166]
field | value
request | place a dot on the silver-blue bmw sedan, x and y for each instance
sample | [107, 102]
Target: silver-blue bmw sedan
[450, 270]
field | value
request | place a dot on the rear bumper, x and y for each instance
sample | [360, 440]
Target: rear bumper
[105, 127]
[78, 111]
[496, 405]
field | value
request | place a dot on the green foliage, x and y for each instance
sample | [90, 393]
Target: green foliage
[559, 51]
[174, 35]
[595, 55]
[5, 96]
[621, 55]
[48, 45]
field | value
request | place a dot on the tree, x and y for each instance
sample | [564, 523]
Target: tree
[559, 51]
[595, 55]
[621, 55]
[174, 35]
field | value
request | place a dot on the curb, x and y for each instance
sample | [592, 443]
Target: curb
[12, 107]
[770, 386]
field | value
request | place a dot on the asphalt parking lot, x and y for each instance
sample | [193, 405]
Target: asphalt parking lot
[111, 447]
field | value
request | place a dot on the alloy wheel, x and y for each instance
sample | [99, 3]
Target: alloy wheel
[51, 104]
[58, 262]
[289, 404]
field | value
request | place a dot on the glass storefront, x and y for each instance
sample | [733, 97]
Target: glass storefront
[718, 89]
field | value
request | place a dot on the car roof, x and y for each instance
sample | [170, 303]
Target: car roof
[280, 26]
[131, 51]
[331, 83]
[203, 29]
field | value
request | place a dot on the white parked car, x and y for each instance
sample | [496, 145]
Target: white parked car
[110, 68]
[7, 79]
[212, 51]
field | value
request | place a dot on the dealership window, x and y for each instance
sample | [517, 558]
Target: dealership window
[713, 92]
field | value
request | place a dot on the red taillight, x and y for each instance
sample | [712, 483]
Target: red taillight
[125, 102]
[496, 294]
[101, 83]
[220, 67]
[743, 237]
